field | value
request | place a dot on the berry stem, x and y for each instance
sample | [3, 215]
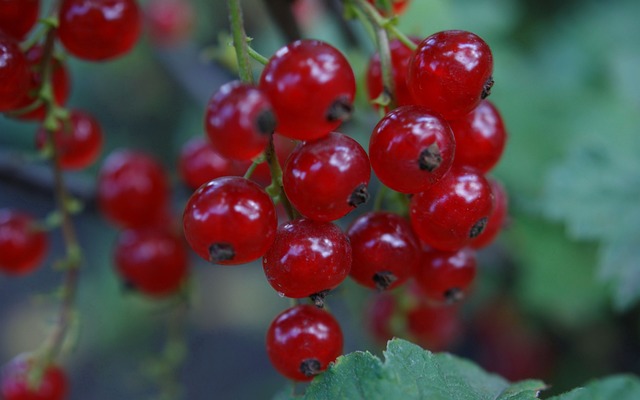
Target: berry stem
[257, 56]
[275, 189]
[240, 41]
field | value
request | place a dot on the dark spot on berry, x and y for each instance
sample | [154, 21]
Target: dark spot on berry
[486, 89]
[339, 110]
[359, 196]
[453, 295]
[266, 122]
[310, 367]
[430, 158]
[384, 279]
[318, 298]
[478, 227]
[221, 252]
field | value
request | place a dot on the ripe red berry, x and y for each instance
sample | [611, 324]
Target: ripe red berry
[302, 341]
[14, 382]
[200, 162]
[379, 313]
[79, 142]
[96, 30]
[445, 276]
[17, 17]
[450, 73]
[480, 137]
[433, 327]
[311, 87]
[230, 220]
[133, 190]
[169, 21]
[14, 73]
[307, 258]
[397, 7]
[385, 250]
[411, 148]
[453, 211]
[239, 120]
[152, 261]
[327, 178]
[59, 80]
[498, 217]
[22, 246]
[400, 58]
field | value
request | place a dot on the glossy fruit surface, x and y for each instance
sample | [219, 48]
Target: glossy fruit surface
[133, 190]
[385, 250]
[152, 261]
[311, 87]
[17, 17]
[498, 217]
[411, 148]
[22, 247]
[302, 341]
[445, 276]
[230, 220]
[480, 137]
[199, 162]
[450, 73]
[14, 382]
[327, 178]
[14, 73]
[78, 143]
[97, 30]
[239, 120]
[169, 22]
[307, 258]
[453, 211]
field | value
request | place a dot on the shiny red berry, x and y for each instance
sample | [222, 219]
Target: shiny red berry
[200, 162]
[453, 211]
[327, 178]
[311, 87]
[22, 246]
[450, 73]
[151, 261]
[307, 258]
[78, 141]
[239, 120]
[14, 73]
[445, 276]
[15, 384]
[411, 148]
[385, 250]
[17, 17]
[302, 341]
[133, 189]
[480, 137]
[498, 217]
[169, 22]
[97, 30]
[230, 220]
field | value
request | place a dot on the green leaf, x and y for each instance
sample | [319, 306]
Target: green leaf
[410, 372]
[618, 387]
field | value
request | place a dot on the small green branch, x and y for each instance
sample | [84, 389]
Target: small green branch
[257, 56]
[240, 41]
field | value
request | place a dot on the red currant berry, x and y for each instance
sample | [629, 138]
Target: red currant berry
[380, 312]
[200, 162]
[400, 57]
[97, 30]
[385, 250]
[17, 17]
[308, 258]
[169, 21]
[15, 385]
[311, 87]
[230, 220]
[445, 276]
[79, 142]
[436, 328]
[59, 80]
[450, 73]
[498, 217]
[239, 120]
[327, 178]
[302, 341]
[397, 7]
[480, 137]
[133, 190]
[152, 261]
[411, 148]
[14, 73]
[453, 211]
[22, 247]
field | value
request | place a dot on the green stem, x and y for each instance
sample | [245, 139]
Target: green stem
[240, 41]
[257, 56]
[382, 191]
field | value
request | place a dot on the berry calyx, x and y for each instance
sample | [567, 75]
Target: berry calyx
[302, 341]
[15, 383]
[22, 246]
[498, 217]
[445, 276]
[230, 220]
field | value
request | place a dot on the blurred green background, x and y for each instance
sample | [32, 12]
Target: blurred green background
[566, 270]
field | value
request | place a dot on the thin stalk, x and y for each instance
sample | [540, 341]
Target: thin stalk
[240, 41]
